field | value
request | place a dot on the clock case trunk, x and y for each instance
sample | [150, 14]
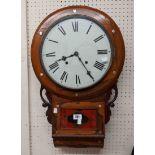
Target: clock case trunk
[88, 134]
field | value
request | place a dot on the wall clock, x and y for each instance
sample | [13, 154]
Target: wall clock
[77, 55]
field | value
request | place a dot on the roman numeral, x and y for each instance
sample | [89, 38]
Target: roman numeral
[98, 65]
[102, 51]
[53, 41]
[64, 76]
[75, 26]
[61, 29]
[88, 29]
[50, 54]
[55, 69]
[98, 38]
[78, 80]
[54, 65]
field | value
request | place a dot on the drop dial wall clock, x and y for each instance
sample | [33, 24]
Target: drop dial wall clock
[77, 54]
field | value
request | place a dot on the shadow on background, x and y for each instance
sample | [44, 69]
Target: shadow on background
[92, 151]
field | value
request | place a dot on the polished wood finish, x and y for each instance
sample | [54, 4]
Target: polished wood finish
[72, 137]
[95, 97]
[77, 137]
[118, 57]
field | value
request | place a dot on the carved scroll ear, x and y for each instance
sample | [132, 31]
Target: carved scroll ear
[45, 103]
[107, 96]
[111, 103]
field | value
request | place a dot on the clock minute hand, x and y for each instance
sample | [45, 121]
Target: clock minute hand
[88, 72]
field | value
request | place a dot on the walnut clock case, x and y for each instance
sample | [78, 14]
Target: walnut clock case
[77, 55]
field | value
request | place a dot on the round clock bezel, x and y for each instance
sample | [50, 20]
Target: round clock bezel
[117, 45]
[72, 17]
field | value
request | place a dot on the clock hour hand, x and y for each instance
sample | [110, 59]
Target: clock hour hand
[88, 72]
[64, 58]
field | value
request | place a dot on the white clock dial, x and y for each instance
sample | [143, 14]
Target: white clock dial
[76, 53]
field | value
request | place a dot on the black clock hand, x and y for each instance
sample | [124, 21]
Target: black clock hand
[64, 58]
[88, 72]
